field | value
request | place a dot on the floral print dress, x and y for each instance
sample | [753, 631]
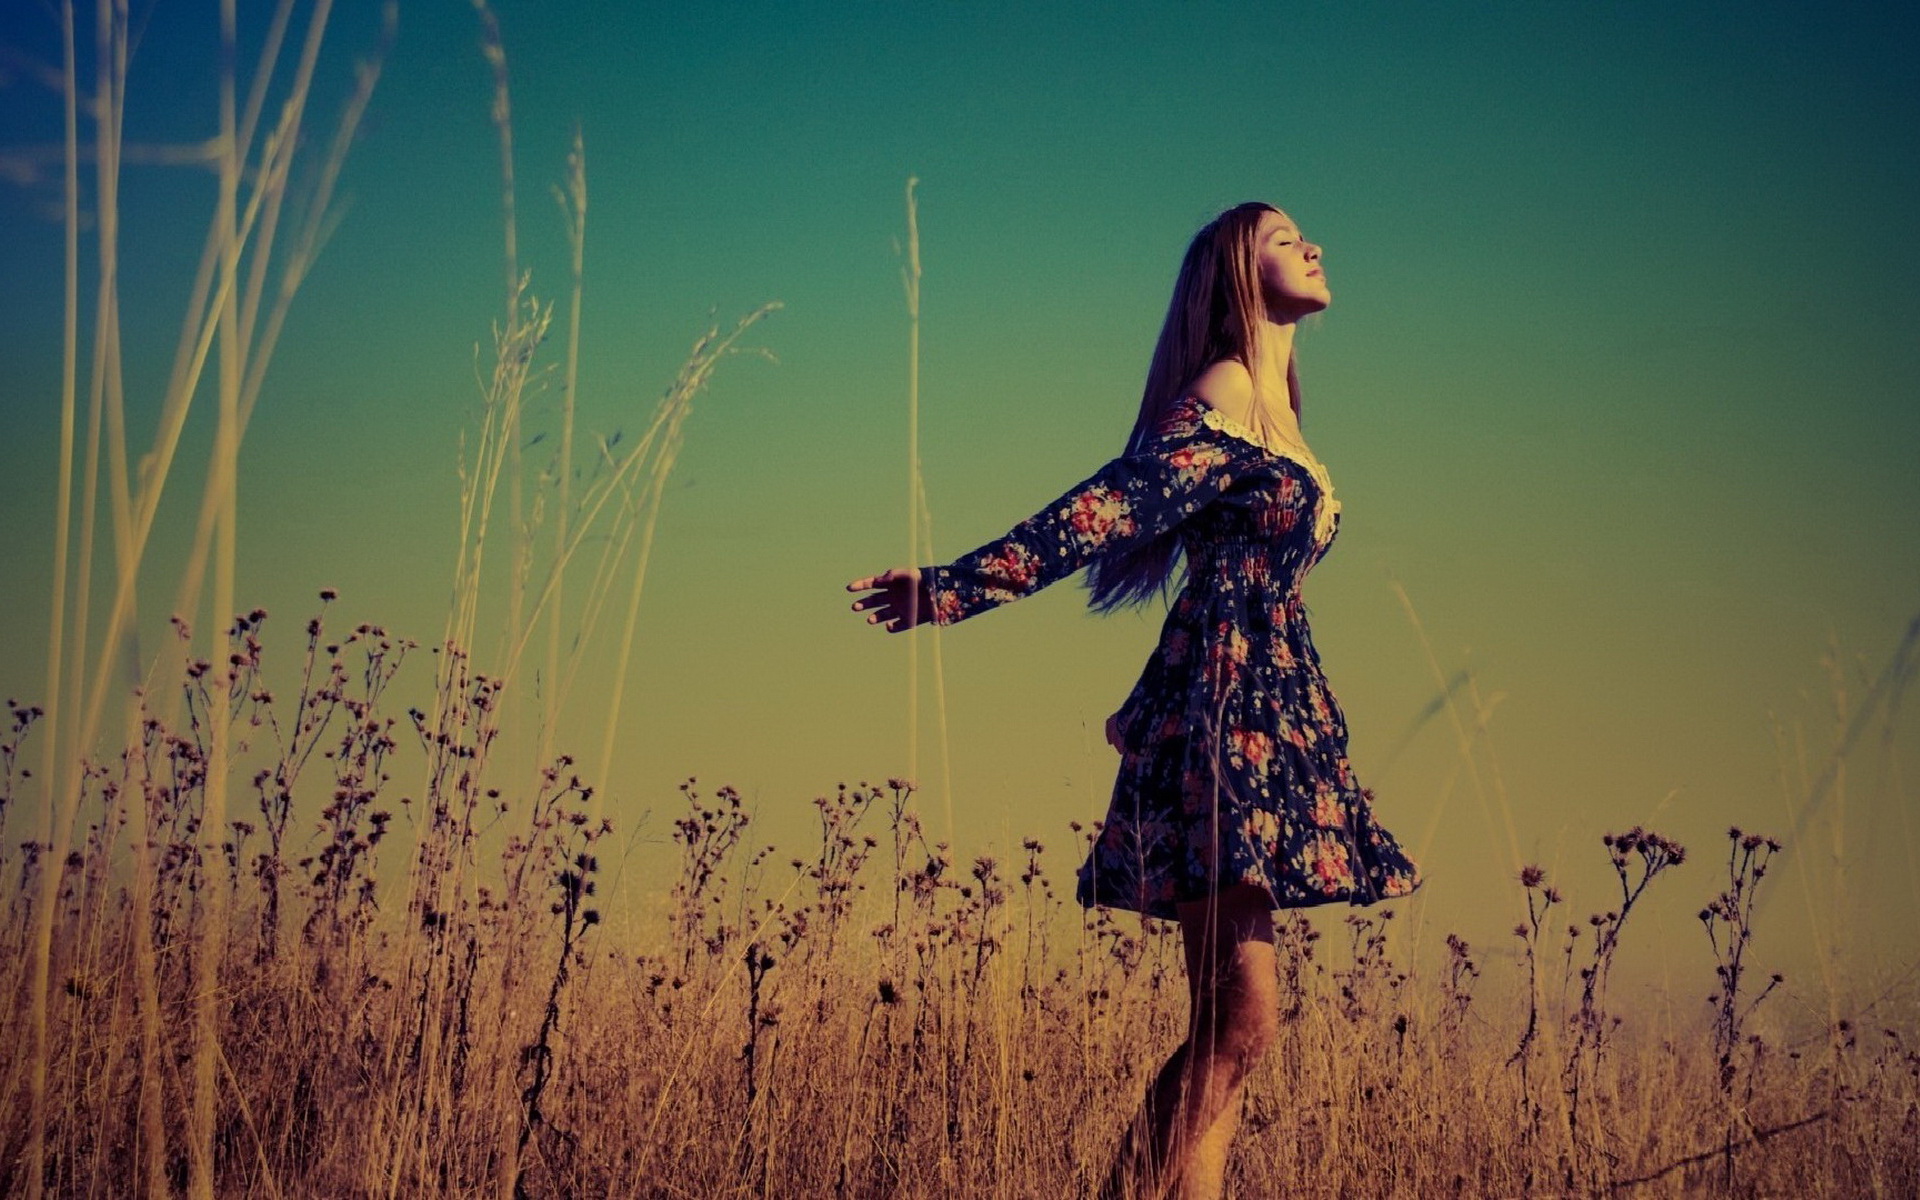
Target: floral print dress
[1234, 767]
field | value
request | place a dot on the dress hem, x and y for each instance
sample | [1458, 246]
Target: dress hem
[1086, 895]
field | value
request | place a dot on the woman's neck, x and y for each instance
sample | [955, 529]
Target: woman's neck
[1272, 354]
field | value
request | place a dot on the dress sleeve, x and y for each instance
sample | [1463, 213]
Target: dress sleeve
[1127, 502]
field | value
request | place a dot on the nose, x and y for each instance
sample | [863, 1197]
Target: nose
[1313, 252]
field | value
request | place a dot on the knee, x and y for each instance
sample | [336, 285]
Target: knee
[1259, 1030]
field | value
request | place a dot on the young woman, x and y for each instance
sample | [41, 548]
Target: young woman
[1234, 795]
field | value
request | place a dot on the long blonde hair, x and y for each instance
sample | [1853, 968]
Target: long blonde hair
[1216, 311]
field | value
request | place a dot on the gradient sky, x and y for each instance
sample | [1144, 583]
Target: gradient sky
[1619, 385]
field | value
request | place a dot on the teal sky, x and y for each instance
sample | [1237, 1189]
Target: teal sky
[1619, 384]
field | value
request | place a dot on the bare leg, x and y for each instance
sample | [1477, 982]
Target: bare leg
[1149, 1156]
[1182, 1134]
[1206, 1171]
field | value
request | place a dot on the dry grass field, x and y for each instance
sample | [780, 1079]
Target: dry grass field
[859, 1017]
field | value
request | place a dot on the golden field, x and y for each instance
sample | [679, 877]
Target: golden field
[858, 1017]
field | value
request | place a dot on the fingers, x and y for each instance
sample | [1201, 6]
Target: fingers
[891, 575]
[885, 604]
[892, 616]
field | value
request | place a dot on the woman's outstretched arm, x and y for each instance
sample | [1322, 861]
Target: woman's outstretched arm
[1128, 501]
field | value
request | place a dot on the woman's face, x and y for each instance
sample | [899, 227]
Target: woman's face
[1290, 276]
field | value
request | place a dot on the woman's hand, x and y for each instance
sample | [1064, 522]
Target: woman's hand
[903, 598]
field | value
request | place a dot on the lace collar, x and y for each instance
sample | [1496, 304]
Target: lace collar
[1325, 506]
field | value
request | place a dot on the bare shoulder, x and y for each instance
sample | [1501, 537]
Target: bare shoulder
[1227, 386]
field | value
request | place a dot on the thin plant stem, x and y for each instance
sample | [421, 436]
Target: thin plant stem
[276, 165]
[573, 205]
[62, 521]
[212, 943]
[910, 277]
[1465, 740]
[694, 377]
[939, 670]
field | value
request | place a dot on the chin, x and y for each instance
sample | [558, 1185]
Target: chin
[1295, 307]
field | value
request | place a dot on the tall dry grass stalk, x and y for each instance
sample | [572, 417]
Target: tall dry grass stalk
[920, 524]
[449, 903]
[86, 675]
[493, 49]
[910, 279]
[573, 207]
